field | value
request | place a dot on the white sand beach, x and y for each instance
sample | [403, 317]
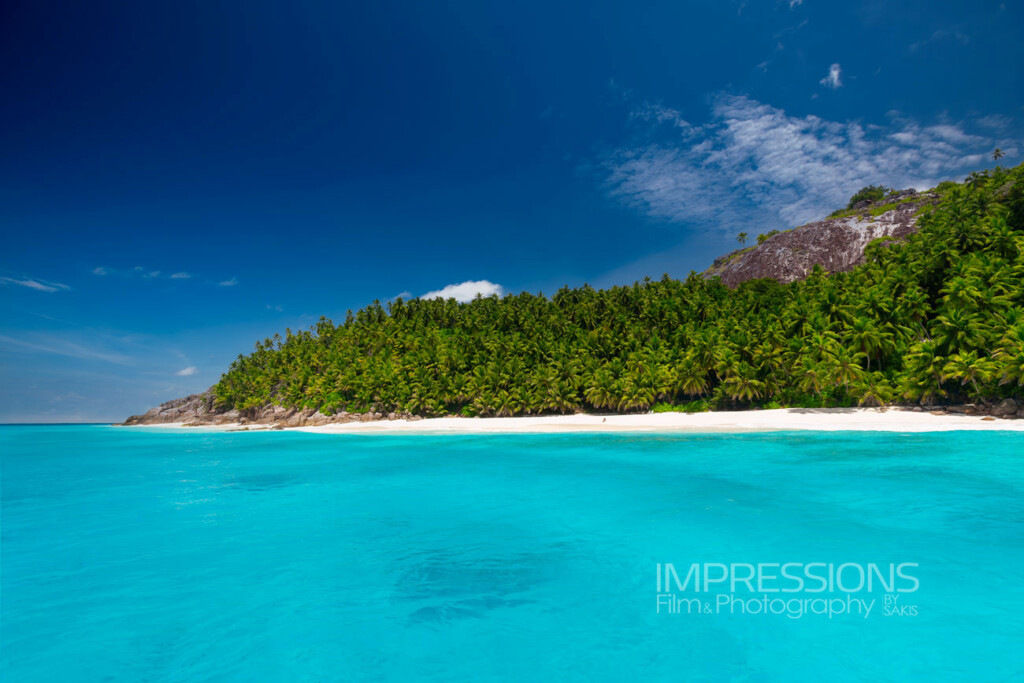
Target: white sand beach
[820, 419]
[826, 419]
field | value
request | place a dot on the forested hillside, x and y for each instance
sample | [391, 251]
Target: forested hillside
[938, 317]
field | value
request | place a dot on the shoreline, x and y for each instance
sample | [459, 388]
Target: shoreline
[784, 419]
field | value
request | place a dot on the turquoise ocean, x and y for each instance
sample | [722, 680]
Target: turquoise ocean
[149, 554]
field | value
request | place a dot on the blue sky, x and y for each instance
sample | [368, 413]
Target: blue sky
[180, 180]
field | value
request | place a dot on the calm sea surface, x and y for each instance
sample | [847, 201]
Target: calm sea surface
[156, 555]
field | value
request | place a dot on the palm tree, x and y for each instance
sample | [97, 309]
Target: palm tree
[845, 367]
[602, 391]
[925, 367]
[742, 238]
[997, 154]
[970, 367]
[958, 329]
[691, 381]
[866, 338]
[810, 376]
[913, 307]
[823, 345]
[1011, 363]
[1010, 354]
[874, 390]
[1003, 239]
[743, 386]
[638, 393]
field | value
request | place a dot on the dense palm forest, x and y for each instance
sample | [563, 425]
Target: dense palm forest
[937, 318]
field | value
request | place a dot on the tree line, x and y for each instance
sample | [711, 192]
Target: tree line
[936, 318]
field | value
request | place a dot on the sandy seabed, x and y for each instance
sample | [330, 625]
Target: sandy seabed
[815, 419]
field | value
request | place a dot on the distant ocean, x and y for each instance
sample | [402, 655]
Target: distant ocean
[152, 554]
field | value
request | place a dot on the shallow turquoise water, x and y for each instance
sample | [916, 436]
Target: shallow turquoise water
[153, 555]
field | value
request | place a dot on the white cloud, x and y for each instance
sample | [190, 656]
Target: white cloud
[794, 3]
[279, 309]
[99, 270]
[465, 291]
[185, 372]
[31, 283]
[180, 276]
[152, 274]
[832, 80]
[755, 165]
[228, 283]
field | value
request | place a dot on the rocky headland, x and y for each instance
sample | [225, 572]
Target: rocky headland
[202, 409]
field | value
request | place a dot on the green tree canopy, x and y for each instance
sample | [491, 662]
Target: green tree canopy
[936, 317]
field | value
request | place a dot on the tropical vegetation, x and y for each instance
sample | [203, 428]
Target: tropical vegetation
[938, 317]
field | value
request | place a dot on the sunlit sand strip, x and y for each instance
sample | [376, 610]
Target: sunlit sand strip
[827, 419]
[815, 419]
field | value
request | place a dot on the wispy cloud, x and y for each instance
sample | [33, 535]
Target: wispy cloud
[995, 122]
[228, 283]
[73, 396]
[658, 113]
[833, 78]
[141, 271]
[186, 372]
[34, 283]
[940, 36]
[465, 291]
[278, 308]
[753, 164]
[60, 347]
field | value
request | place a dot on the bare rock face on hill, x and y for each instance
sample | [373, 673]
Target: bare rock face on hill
[195, 408]
[836, 244]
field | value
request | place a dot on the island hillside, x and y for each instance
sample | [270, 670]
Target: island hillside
[900, 298]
